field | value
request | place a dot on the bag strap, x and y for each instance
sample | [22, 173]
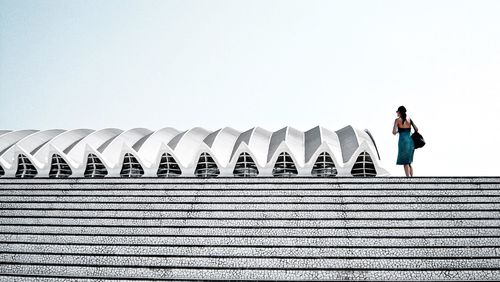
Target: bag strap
[412, 124]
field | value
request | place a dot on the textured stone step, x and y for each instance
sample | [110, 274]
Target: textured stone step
[250, 184]
[165, 192]
[254, 206]
[264, 223]
[39, 278]
[267, 251]
[285, 180]
[238, 200]
[259, 263]
[350, 241]
[255, 274]
[309, 215]
[257, 231]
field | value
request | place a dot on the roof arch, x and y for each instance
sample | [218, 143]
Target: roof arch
[151, 146]
[324, 148]
[30, 144]
[8, 139]
[126, 140]
[240, 149]
[294, 140]
[95, 142]
[64, 142]
[222, 142]
[257, 141]
[186, 145]
[284, 147]
[348, 142]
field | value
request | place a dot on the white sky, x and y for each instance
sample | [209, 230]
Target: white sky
[96, 64]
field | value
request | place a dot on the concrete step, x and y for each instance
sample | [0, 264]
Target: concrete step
[237, 231]
[165, 192]
[495, 206]
[249, 252]
[265, 180]
[188, 261]
[252, 214]
[250, 185]
[102, 273]
[263, 223]
[253, 241]
[238, 200]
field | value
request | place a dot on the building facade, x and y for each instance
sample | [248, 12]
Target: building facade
[197, 152]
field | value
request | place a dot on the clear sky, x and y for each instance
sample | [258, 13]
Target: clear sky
[96, 64]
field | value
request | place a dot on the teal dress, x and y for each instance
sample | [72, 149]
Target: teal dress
[405, 147]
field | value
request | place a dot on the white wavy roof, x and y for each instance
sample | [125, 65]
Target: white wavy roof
[224, 145]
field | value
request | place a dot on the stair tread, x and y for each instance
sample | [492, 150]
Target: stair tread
[253, 274]
[145, 214]
[253, 251]
[257, 223]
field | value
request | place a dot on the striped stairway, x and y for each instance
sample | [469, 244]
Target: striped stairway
[186, 229]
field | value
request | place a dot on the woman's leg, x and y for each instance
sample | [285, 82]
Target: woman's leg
[411, 170]
[407, 170]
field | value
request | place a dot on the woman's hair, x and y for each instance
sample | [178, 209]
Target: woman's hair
[402, 113]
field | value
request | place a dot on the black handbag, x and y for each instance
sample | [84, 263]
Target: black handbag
[418, 139]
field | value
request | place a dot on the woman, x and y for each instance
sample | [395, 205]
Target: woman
[402, 125]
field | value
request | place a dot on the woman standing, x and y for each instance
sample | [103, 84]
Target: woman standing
[402, 125]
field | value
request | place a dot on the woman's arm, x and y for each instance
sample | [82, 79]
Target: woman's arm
[395, 127]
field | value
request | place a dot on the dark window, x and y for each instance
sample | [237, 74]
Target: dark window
[25, 169]
[206, 166]
[131, 167]
[95, 168]
[168, 167]
[324, 166]
[364, 167]
[245, 166]
[59, 168]
[284, 167]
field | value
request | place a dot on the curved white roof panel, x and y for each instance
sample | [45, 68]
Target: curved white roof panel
[169, 152]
